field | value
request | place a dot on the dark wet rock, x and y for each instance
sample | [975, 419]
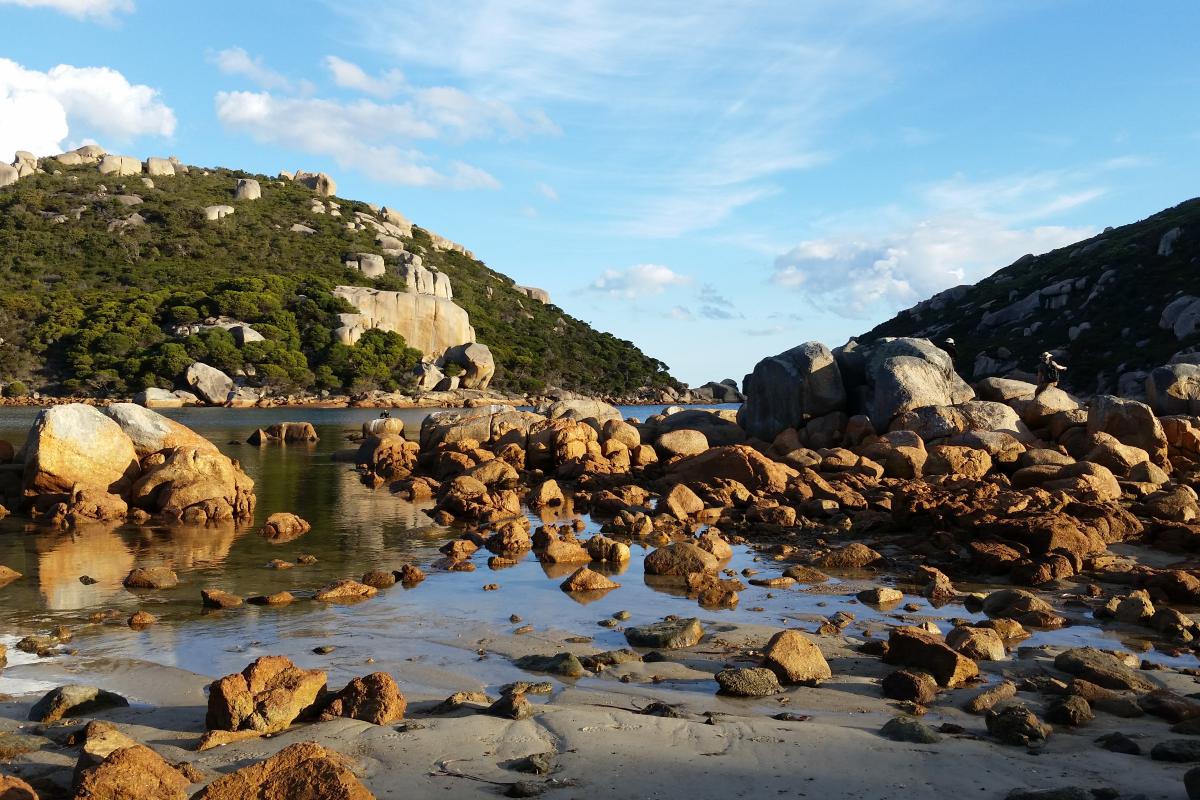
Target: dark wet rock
[656, 708]
[1017, 725]
[140, 620]
[534, 764]
[1181, 751]
[525, 789]
[1101, 668]
[796, 659]
[409, 575]
[274, 599]
[525, 687]
[74, 700]
[345, 591]
[564, 664]
[379, 578]
[151, 578]
[909, 729]
[218, 598]
[1191, 782]
[1071, 710]
[1118, 742]
[910, 685]
[748, 682]
[602, 661]
[373, 698]
[669, 634]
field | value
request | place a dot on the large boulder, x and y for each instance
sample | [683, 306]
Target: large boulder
[301, 770]
[718, 426]
[129, 772]
[1174, 389]
[942, 422]
[1131, 422]
[734, 462]
[787, 390]
[76, 445]
[490, 425]
[194, 484]
[477, 363]
[151, 432]
[904, 374]
[581, 408]
[319, 182]
[212, 385]
[157, 167]
[429, 323]
[247, 189]
[267, 696]
[8, 175]
[120, 165]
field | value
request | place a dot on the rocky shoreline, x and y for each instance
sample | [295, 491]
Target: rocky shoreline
[878, 468]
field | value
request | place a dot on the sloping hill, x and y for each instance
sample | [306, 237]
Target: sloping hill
[1098, 305]
[102, 276]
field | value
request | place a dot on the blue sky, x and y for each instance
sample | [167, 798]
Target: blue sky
[716, 181]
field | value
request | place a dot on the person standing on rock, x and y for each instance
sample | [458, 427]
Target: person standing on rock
[1048, 373]
[951, 349]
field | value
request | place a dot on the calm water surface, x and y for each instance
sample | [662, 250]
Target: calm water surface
[355, 529]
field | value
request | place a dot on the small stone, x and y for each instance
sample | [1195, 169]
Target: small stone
[587, 580]
[990, 696]
[151, 578]
[1118, 742]
[1071, 710]
[1017, 725]
[880, 596]
[409, 575]
[910, 685]
[796, 659]
[536, 764]
[276, 599]
[564, 664]
[511, 706]
[748, 682]
[139, 620]
[909, 729]
[345, 591]
[218, 598]
[668, 634]
[379, 578]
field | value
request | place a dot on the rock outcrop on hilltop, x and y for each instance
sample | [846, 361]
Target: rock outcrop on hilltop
[1113, 308]
[272, 282]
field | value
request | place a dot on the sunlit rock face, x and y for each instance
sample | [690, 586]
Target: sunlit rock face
[429, 323]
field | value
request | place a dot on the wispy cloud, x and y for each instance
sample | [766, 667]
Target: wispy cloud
[960, 231]
[637, 281]
[722, 98]
[349, 75]
[102, 10]
[368, 135]
[236, 61]
[547, 191]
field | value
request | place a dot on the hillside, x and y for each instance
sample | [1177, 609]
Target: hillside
[109, 281]
[1101, 305]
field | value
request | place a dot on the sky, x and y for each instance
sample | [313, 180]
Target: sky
[716, 181]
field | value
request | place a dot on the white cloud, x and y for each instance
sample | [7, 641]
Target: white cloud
[349, 75]
[41, 109]
[638, 281]
[80, 9]
[547, 191]
[236, 61]
[964, 232]
[681, 313]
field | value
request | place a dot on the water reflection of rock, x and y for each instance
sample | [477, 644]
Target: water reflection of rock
[184, 547]
[93, 550]
[368, 517]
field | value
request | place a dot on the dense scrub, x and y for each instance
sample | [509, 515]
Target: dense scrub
[91, 303]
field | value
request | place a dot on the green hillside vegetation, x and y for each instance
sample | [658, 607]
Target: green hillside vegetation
[1121, 284]
[90, 310]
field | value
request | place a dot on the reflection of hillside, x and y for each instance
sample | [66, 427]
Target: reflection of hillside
[93, 550]
[184, 547]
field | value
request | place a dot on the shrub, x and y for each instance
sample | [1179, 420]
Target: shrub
[16, 389]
